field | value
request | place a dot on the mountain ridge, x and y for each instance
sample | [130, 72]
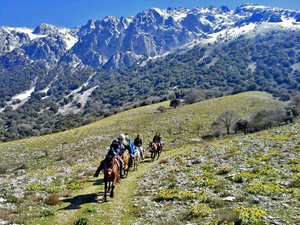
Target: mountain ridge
[180, 26]
[108, 65]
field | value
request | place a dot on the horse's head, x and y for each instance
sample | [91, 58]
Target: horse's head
[108, 172]
[109, 162]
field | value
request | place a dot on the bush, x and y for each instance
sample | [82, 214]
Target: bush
[90, 210]
[52, 200]
[242, 125]
[162, 109]
[193, 97]
[46, 213]
[81, 221]
[175, 103]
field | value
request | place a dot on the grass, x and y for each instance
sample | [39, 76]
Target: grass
[183, 121]
[73, 155]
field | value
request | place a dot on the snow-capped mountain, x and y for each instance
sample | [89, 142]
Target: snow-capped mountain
[116, 42]
[49, 71]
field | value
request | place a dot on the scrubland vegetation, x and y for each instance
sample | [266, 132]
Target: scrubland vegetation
[234, 178]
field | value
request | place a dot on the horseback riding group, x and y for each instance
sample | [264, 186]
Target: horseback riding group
[123, 154]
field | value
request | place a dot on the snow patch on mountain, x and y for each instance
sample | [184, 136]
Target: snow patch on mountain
[24, 94]
[79, 97]
[70, 41]
[289, 23]
[21, 98]
[27, 31]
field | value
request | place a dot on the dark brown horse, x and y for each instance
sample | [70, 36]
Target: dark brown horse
[111, 175]
[125, 157]
[155, 150]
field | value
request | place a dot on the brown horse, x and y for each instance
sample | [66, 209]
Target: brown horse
[111, 175]
[155, 150]
[125, 157]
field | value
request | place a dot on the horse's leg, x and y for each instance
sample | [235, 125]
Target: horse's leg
[127, 170]
[109, 184]
[138, 159]
[112, 189]
[158, 154]
[142, 153]
[134, 163]
[105, 190]
[154, 154]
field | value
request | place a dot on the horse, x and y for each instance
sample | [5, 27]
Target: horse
[138, 155]
[142, 152]
[111, 175]
[125, 157]
[155, 150]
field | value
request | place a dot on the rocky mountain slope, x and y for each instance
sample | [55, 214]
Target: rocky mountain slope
[110, 64]
[114, 42]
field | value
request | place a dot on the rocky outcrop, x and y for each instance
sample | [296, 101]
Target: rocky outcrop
[116, 42]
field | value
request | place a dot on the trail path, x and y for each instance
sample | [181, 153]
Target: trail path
[117, 210]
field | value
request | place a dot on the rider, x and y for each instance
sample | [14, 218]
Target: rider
[138, 143]
[114, 149]
[157, 140]
[130, 146]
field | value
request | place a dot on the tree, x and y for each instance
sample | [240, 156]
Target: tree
[195, 96]
[277, 115]
[175, 103]
[217, 129]
[228, 119]
[162, 109]
[242, 125]
[260, 121]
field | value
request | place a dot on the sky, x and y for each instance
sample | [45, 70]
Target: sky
[74, 13]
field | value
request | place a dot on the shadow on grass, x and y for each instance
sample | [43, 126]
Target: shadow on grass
[77, 201]
[99, 182]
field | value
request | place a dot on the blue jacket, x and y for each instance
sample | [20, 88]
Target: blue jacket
[131, 147]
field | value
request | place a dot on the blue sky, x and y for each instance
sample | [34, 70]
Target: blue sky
[72, 13]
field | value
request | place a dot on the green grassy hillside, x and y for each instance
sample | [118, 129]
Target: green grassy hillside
[38, 174]
[188, 122]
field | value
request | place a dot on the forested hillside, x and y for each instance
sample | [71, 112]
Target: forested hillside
[251, 48]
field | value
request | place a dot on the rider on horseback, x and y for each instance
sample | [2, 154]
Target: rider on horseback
[157, 140]
[130, 146]
[114, 149]
[138, 143]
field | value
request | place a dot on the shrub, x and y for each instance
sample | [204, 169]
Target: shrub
[162, 109]
[3, 168]
[242, 125]
[175, 103]
[90, 210]
[223, 170]
[193, 97]
[81, 221]
[46, 213]
[52, 200]
[228, 215]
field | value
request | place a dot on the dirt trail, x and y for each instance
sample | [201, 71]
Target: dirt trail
[117, 210]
